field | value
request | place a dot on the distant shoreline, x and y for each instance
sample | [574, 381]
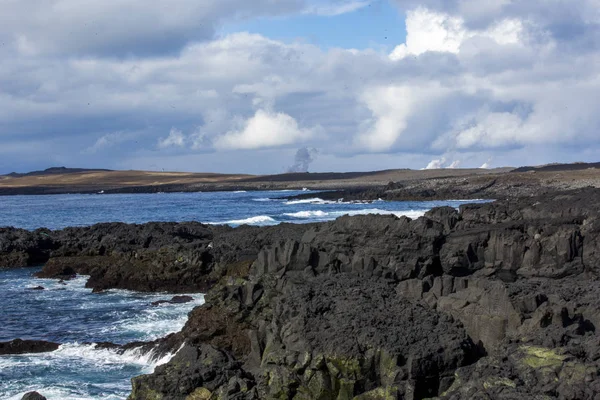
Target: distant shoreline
[401, 184]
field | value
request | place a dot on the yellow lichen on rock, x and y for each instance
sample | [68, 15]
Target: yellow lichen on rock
[199, 394]
[495, 382]
[540, 357]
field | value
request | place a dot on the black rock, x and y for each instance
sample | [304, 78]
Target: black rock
[19, 346]
[174, 300]
[33, 396]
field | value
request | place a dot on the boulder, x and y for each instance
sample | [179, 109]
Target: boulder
[33, 396]
[19, 346]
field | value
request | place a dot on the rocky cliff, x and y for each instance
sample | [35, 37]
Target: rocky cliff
[497, 300]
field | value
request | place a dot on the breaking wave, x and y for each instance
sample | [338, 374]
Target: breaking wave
[258, 220]
[315, 200]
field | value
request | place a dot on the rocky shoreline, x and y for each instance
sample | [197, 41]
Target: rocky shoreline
[498, 300]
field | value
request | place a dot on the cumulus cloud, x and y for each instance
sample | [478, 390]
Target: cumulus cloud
[474, 80]
[264, 129]
[434, 31]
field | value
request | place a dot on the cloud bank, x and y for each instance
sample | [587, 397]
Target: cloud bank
[489, 83]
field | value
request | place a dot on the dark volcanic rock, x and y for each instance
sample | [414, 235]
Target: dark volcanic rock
[196, 372]
[54, 270]
[174, 300]
[186, 257]
[37, 288]
[497, 300]
[19, 346]
[33, 396]
[494, 301]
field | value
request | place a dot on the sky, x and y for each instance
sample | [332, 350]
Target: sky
[270, 86]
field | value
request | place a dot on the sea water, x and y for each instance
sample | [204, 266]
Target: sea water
[70, 314]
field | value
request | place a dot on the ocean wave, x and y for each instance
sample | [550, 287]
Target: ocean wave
[308, 214]
[257, 220]
[82, 356]
[63, 393]
[240, 191]
[315, 200]
[90, 354]
[263, 199]
[412, 214]
[321, 215]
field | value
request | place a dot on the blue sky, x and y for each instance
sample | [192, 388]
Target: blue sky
[251, 86]
[378, 25]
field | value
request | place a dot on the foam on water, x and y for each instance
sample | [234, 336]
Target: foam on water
[307, 214]
[69, 313]
[67, 361]
[76, 370]
[257, 220]
[315, 200]
[412, 214]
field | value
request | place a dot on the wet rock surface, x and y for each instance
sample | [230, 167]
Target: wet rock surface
[19, 346]
[33, 396]
[497, 300]
[174, 300]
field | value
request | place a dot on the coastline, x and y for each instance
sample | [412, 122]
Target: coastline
[481, 296]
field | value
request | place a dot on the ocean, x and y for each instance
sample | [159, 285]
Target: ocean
[70, 314]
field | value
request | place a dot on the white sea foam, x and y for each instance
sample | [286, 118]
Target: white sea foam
[257, 220]
[319, 215]
[318, 200]
[62, 394]
[84, 355]
[413, 214]
[240, 191]
[308, 214]
[315, 200]
[263, 199]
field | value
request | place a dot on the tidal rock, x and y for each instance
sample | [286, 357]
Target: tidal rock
[33, 396]
[37, 288]
[174, 300]
[56, 270]
[19, 346]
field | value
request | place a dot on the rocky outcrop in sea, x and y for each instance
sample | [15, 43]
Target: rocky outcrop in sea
[497, 300]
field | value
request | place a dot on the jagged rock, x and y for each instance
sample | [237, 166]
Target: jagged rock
[497, 300]
[195, 372]
[19, 346]
[54, 269]
[33, 396]
[174, 300]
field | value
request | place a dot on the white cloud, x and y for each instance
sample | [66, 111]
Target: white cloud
[124, 27]
[391, 107]
[434, 31]
[469, 83]
[264, 129]
[175, 139]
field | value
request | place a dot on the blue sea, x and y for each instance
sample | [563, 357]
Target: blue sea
[70, 314]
